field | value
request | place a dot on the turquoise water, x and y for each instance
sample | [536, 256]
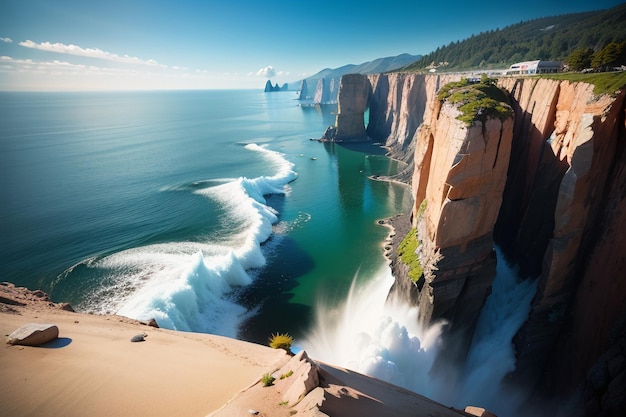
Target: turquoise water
[209, 210]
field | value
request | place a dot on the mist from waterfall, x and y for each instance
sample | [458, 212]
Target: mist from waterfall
[375, 336]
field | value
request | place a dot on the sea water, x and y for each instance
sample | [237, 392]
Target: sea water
[210, 211]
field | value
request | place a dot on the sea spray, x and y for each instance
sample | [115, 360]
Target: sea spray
[379, 337]
[367, 334]
[189, 285]
[492, 355]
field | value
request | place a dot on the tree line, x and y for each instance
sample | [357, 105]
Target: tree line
[550, 38]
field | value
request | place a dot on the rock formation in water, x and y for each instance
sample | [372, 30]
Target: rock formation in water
[321, 92]
[562, 216]
[269, 88]
[303, 93]
[354, 91]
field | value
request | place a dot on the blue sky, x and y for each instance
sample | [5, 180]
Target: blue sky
[230, 44]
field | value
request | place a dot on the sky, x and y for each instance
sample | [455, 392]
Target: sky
[67, 45]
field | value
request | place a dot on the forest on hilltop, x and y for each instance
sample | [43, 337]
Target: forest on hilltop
[547, 38]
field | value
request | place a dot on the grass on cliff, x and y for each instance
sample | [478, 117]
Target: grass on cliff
[477, 101]
[407, 252]
[603, 82]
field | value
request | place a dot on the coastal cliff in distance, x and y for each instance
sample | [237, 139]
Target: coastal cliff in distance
[560, 175]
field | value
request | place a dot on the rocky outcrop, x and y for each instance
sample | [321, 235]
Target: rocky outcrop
[269, 88]
[326, 91]
[462, 173]
[301, 377]
[321, 91]
[353, 96]
[303, 93]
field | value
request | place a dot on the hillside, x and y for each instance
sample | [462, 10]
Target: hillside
[548, 38]
[379, 65]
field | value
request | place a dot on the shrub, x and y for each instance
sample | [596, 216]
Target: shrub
[267, 380]
[286, 375]
[407, 252]
[281, 341]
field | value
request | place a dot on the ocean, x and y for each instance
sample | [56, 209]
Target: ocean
[210, 211]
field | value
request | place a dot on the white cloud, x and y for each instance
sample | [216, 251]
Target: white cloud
[62, 48]
[6, 40]
[267, 72]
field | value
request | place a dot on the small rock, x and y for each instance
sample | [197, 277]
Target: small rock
[153, 323]
[139, 337]
[33, 334]
[478, 411]
[67, 307]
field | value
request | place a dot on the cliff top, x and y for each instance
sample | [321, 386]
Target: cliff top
[604, 82]
[477, 101]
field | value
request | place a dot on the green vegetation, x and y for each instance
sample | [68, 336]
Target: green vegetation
[283, 403]
[611, 55]
[286, 375]
[407, 252]
[548, 38]
[422, 208]
[604, 82]
[477, 101]
[267, 380]
[281, 341]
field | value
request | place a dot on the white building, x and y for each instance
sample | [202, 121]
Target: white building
[535, 67]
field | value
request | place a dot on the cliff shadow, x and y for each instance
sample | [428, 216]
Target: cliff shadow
[526, 222]
[378, 126]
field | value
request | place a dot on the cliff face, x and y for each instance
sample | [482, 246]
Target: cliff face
[461, 171]
[564, 205]
[559, 201]
[354, 92]
[399, 104]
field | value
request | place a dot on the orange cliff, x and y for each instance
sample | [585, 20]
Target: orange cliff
[562, 216]
[460, 172]
[564, 221]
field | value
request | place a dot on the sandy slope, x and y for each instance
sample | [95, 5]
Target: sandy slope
[94, 370]
[99, 372]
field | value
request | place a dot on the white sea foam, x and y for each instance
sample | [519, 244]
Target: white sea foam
[187, 286]
[492, 355]
[381, 338]
[369, 335]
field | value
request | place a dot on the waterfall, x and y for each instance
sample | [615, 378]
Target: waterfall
[380, 338]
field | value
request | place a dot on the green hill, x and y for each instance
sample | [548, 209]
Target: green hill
[548, 38]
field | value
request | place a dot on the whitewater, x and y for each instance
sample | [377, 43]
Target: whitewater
[380, 337]
[189, 286]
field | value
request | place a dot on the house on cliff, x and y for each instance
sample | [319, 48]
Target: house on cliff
[535, 67]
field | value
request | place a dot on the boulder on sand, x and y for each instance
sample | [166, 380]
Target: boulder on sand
[33, 334]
